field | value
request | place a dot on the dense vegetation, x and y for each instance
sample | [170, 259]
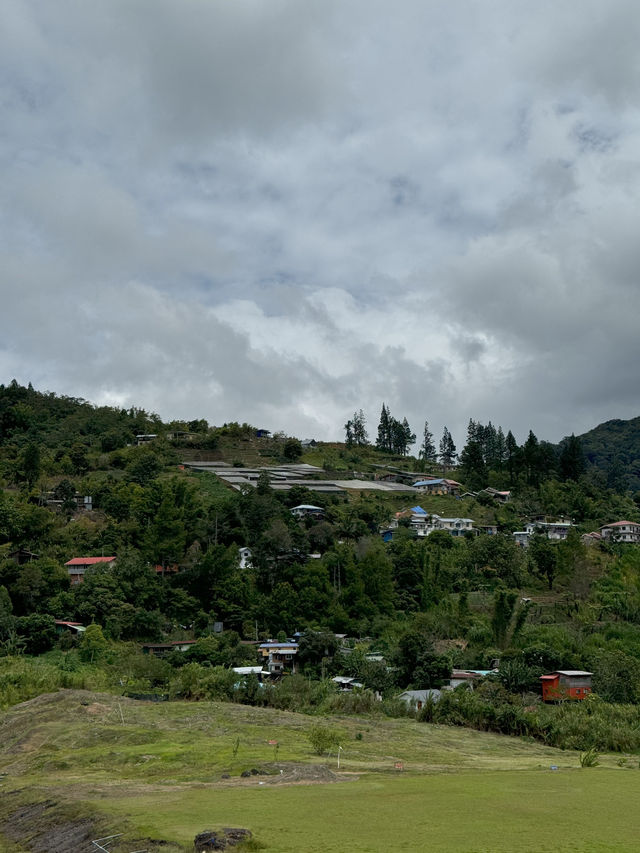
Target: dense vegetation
[423, 605]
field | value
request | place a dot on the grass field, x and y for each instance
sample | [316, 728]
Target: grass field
[157, 771]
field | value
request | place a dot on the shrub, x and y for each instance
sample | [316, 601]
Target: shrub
[323, 738]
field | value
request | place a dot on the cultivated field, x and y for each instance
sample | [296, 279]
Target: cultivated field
[77, 765]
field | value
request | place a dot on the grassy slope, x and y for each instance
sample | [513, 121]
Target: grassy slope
[160, 771]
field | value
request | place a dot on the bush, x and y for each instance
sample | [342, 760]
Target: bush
[323, 738]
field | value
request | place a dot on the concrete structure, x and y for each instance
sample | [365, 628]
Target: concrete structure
[621, 531]
[554, 530]
[245, 556]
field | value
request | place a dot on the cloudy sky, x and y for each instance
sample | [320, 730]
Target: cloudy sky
[279, 211]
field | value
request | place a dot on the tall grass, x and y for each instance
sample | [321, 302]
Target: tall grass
[590, 724]
[23, 678]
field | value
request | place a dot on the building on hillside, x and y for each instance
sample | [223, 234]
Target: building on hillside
[439, 486]
[279, 657]
[162, 649]
[308, 511]
[63, 626]
[145, 438]
[346, 683]
[468, 676]
[591, 538]
[501, 496]
[621, 531]
[22, 556]
[83, 503]
[566, 684]
[170, 569]
[245, 671]
[556, 531]
[245, 556]
[424, 523]
[418, 698]
[77, 566]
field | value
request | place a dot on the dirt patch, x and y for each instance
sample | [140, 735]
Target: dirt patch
[303, 774]
[43, 827]
[37, 826]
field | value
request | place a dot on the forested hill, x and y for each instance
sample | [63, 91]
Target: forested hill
[614, 448]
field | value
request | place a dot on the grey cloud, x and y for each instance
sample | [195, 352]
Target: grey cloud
[281, 212]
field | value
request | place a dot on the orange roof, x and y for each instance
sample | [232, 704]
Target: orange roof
[88, 561]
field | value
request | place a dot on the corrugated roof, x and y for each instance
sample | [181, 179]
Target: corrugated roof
[88, 561]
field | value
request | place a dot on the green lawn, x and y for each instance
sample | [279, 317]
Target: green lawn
[156, 770]
[577, 810]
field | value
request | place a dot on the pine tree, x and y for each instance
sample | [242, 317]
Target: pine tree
[501, 450]
[348, 429]
[513, 454]
[383, 442]
[358, 425]
[447, 450]
[427, 450]
[409, 437]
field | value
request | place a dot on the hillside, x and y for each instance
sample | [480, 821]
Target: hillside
[614, 449]
[77, 765]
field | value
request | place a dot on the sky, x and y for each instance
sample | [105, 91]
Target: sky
[282, 212]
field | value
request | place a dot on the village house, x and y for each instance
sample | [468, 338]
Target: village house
[346, 683]
[22, 556]
[621, 531]
[145, 438]
[500, 496]
[440, 486]
[162, 649]
[554, 530]
[63, 626]
[308, 511]
[424, 523]
[418, 698]
[77, 566]
[279, 657]
[245, 556]
[566, 684]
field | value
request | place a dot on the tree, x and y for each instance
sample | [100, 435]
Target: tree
[30, 464]
[383, 441]
[360, 437]
[408, 435]
[512, 452]
[447, 450]
[544, 556]
[93, 644]
[474, 470]
[427, 450]
[292, 449]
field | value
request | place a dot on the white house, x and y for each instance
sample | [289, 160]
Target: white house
[554, 530]
[621, 531]
[307, 510]
[245, 556]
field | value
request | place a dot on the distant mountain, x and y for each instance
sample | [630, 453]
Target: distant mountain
[614, 448]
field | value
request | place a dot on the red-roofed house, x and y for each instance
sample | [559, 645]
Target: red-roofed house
[78, 565]
[622, 531]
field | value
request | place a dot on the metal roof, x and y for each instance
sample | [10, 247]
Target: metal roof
[88, 561]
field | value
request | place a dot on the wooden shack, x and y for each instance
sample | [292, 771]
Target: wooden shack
[566, 684]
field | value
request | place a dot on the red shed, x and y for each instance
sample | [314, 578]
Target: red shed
[566, 684]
